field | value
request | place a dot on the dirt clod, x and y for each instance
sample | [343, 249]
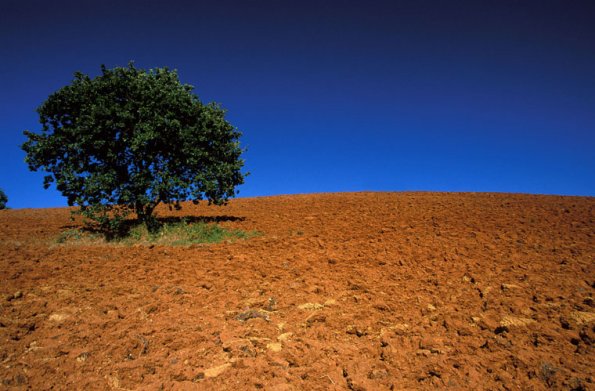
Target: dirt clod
[252, 314]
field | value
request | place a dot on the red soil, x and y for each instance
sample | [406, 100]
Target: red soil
[342, 291]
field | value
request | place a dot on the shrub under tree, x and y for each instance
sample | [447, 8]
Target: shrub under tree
[130, 139]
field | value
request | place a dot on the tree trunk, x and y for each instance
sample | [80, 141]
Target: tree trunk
[145, 216]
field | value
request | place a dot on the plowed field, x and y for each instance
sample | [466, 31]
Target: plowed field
[341, 291]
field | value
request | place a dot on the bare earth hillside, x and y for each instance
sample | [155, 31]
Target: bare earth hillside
[342, 291]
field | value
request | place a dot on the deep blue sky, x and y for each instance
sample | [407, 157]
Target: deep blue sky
[336, 95]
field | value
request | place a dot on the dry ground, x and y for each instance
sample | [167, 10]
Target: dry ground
[342, 291]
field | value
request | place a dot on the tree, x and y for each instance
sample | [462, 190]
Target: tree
[130, 139]
[3, 199]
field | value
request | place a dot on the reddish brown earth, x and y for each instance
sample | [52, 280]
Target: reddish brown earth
[342, 291]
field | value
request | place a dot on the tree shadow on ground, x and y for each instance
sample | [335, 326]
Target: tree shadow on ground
[127, 225]
[197, 219]
[172, 220]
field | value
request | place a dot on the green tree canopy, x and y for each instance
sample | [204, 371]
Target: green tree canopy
[130, 139]
[3, 199]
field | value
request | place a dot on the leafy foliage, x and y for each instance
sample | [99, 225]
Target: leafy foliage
[130, 139]
[3, 199]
